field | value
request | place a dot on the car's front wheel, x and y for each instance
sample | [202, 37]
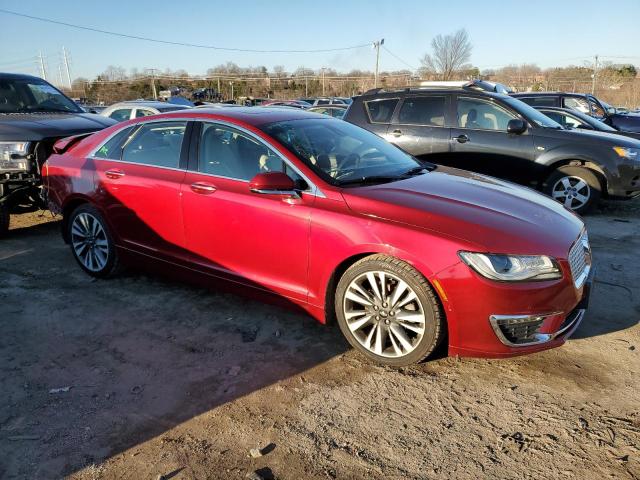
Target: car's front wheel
[388, 311]
[577, 188]
[91, 242]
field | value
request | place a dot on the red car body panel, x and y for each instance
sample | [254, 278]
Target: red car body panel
[293, 247]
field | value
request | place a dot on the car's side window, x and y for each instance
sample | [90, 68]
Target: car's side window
[121, 114]
[576, 103]
[143, 112]
[381, 111]
[422, 111]
[482, 115]
[112, 148]
[226, 152]
[597, 110]
[571, 122]
[156, 143]
[539, 101]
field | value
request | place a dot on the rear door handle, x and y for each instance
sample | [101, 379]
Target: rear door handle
[397, 133]
[461, 138]
[203, 188]
[114, 174]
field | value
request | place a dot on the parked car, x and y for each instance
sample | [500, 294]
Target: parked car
[570, 119]
[501, 136]
[285, 103]
[317, 101]
[336, 111]
[585, 103]
[471, 84]
[321, 214]
[33, 115]
[123, 111]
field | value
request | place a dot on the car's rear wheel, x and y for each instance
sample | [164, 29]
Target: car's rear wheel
[577, 188]
[388, 311]
[4, 220]
[91, 242]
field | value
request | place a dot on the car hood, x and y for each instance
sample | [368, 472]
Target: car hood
[41, 126]
[620, 139]
[493, 215]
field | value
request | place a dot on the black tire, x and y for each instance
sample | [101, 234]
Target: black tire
[429, 306]
[100, 269]
[561, 186]
[4, 220]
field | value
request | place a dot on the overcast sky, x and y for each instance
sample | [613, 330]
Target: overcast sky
[548, 33]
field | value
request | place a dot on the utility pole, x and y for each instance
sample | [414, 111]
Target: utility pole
[60, 80]
[595, 72]
[66, 66]
[153, 83]
[306, 83]
[231, 83]
[377, 46]
[322, 69]
[43, 72]
[219, 92]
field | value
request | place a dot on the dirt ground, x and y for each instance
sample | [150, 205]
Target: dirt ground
[158, 380]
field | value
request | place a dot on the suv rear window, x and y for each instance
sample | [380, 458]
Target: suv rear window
[422, 111]
[381, 111]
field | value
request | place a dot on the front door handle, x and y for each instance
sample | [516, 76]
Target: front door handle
[397, 133]
[114, 174]
[461, 138]
[203, 188]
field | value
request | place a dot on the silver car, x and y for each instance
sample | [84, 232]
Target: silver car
[138, 108]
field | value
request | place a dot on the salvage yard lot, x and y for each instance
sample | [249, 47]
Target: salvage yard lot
[171, 379]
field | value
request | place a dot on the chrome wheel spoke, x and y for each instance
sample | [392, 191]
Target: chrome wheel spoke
[580, 184]
[581, 198]
[568, 201]
[402, 337]
[359, 323]
[401, 287]
[566, 183]
[358, 299]
[374, 285]
[559, 194]
[89, 242]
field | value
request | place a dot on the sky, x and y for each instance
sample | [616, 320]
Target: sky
[548, 33]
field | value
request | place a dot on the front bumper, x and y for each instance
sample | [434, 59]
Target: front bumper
[472, 333]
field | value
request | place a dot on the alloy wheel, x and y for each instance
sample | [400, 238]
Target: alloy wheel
[573, 192]
[89, 241]
[384, 314]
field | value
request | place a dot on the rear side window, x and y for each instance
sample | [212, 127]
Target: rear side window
[112, 148]
[538, 101]
[577, 103]
[143, 112]
[157, 143]
[422, 111]
[121, 114]
[381, 111]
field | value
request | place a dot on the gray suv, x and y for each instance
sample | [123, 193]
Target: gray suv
[498, 135]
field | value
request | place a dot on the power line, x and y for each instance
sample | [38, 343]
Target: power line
[168, 42]
[398, 58]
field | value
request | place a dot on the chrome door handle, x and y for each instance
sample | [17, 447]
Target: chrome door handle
[203, 188]
[461, 138]
[397, 133]
[114, 174]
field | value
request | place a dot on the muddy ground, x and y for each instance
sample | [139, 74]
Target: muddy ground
[165, 380]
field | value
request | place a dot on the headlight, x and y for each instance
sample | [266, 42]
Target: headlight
[512, 268]
[628, 152]
[13, 156]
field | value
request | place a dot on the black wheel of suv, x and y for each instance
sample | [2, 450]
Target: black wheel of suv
[4, 220]
[388, 311]
[577, 188]
[91, 243]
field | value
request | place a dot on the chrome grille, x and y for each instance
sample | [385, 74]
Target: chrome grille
[580, 260]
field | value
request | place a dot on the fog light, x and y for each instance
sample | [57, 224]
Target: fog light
[519, 330]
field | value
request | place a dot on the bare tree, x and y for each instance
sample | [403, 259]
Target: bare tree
[449, 54]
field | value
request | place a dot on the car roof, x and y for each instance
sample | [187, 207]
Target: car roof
[254, 116]
[332, 105]
[16, 76]
[542, 94]
[146, 103]
[380, 93]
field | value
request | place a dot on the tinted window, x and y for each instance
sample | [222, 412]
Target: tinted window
[482, 115]
[121, 114]
[113, 148]
[23, 95]
[576, 103]
[338, 112]
[226, 152]
[422, 111]
[597, 110]
[323, 102]
[538, 101]
[157, 143]
[381, 111]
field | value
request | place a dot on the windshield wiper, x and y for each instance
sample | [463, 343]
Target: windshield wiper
[415, 171]
[372, 180]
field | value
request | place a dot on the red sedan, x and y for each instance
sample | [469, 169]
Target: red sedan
[324, 215]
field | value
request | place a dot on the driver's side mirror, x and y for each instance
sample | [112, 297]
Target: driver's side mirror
[273, 183]
[516, 126]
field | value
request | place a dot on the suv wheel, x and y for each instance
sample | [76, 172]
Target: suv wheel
[388, 311]
[577, 188]
[4, 220]
[91, 243]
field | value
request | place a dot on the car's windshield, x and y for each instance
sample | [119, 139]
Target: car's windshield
[533, 115]
[342, 153]
[24, 95]
[594, 122]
